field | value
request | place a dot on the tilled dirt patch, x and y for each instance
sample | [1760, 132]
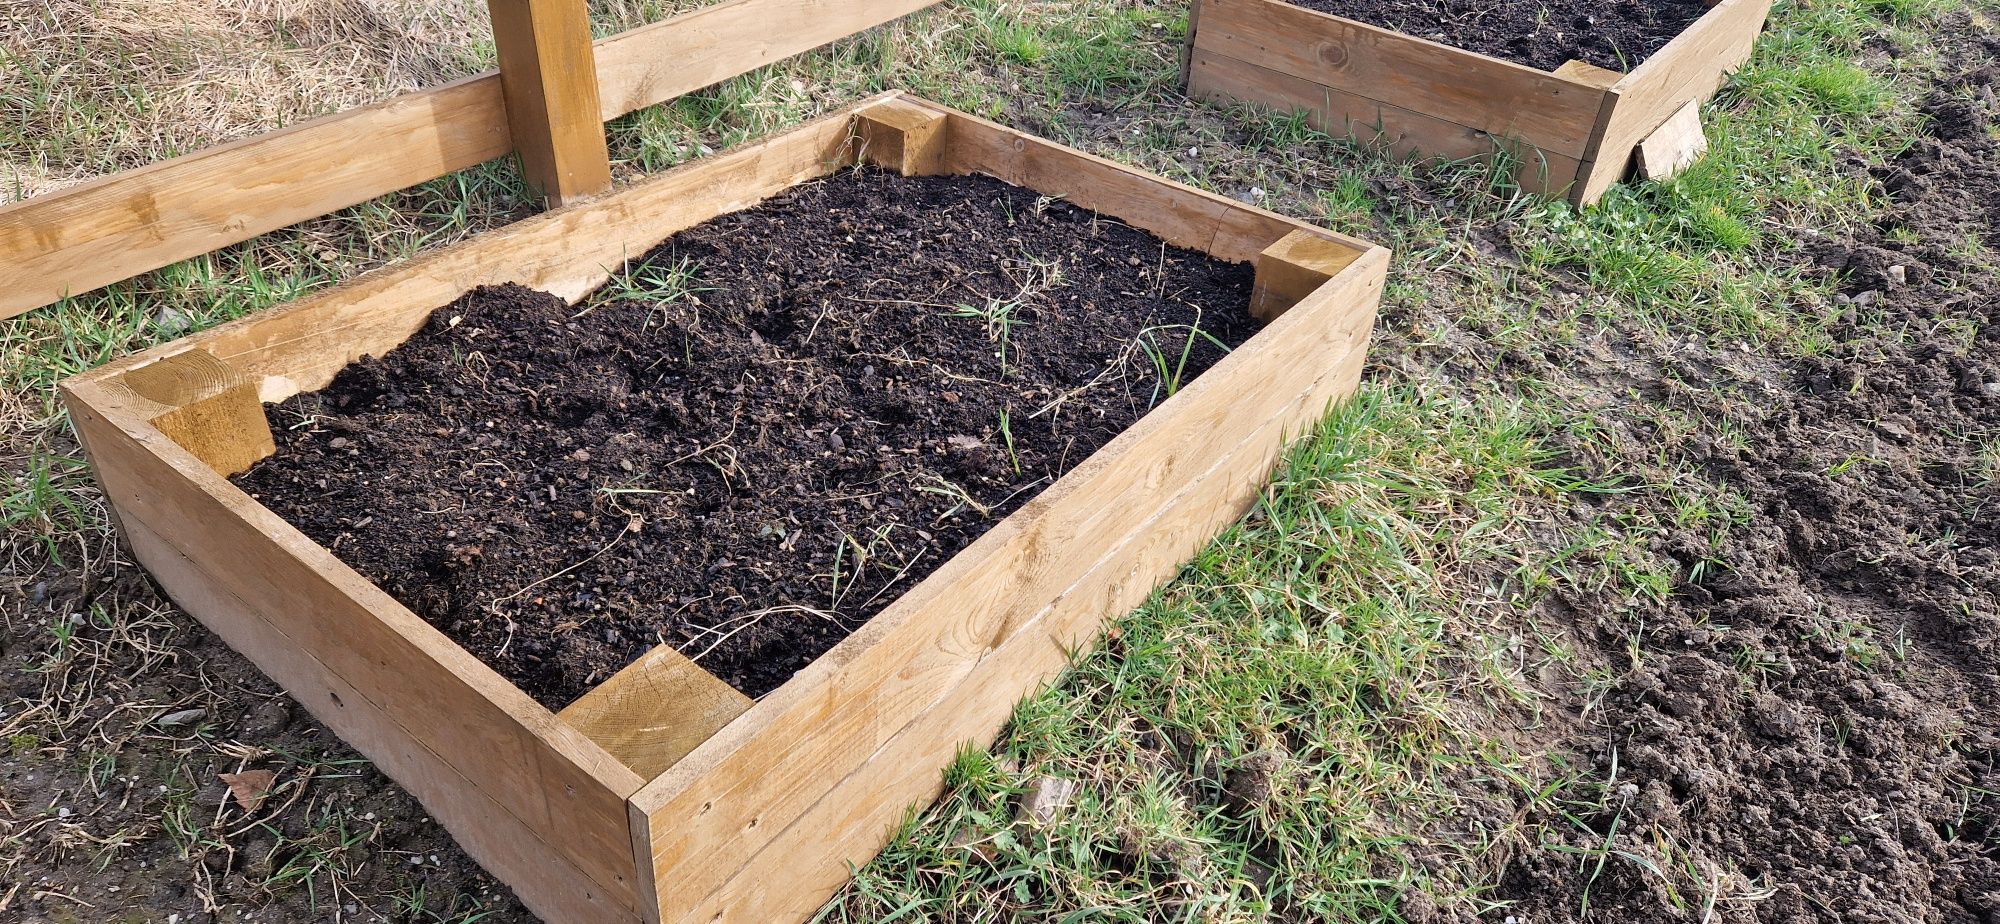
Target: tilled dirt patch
[1812, 732]
[1542, 34]
[796, 413]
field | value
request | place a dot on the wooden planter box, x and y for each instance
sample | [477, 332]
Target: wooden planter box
[1575, 129]
[663, 795]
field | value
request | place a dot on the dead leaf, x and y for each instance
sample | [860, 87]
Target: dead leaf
[249, 787]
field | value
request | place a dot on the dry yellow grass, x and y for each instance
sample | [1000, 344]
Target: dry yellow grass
[89, 87]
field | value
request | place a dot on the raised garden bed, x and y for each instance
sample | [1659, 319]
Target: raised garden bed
[662, 794]
[1575, 128]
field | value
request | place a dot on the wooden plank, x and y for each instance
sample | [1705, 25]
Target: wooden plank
[74, 240]
[1691, 67]
[77, 239]
[550, 79]
[1677, 143]
[1484, 93]
[755, 778]
[559, 784]
[540, 876]
[641, 67]
[1179, 214]
[1401, 131]
[300, 346]
[806, 863]
[653, 712]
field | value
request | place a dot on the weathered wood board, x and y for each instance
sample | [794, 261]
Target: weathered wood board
[662, 796]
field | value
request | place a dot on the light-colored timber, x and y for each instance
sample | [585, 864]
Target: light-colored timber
[1573, 131]
[73, 240]
[661, 796]
[1672, 147]
[656, 710]
[549, 77]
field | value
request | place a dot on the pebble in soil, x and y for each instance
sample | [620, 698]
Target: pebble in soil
[774, 425]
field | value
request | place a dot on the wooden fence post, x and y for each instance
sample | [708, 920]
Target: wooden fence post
[550, 76]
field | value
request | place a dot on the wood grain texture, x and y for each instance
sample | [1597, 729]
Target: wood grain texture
[377, 675]
[1179, 214]
[707, 46]
[74, 240]
[903, 136]
[77, 239]
[755, 780]
[1483, 93]
[201, 403]
[759, 820]
[550, 80]
[1672, 147]
[1403, 132]
[569, 252]
[653, 712]
[552, 887]
[1689, 68]
[1293, 268]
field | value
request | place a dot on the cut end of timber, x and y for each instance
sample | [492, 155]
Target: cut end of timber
[202, 404]
[1289, 270]
[656, 710]
[900, 135]
[1676, 144]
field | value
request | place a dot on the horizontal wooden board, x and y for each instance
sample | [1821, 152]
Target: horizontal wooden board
[1179, 214]
[299, 347]
[658, 62]
[1483, 93]
[77, 239]
[547, 882]
[1401, 131]
[846, 824]
[74, 240]
[380, 677]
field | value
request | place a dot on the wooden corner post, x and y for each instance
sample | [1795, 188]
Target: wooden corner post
[549, 75]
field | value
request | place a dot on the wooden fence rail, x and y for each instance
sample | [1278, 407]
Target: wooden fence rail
[115, 227]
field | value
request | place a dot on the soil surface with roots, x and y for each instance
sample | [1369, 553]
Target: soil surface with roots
[767, 431]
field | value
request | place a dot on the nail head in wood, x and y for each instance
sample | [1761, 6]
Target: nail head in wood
[1289, 270]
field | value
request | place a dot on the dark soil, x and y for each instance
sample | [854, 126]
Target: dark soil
[1542, 34]
[749, 470]
[1817, 723]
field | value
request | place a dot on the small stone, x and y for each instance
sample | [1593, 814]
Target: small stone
[171, 321]
[183, 717]
[1867, 298]
[1046, 796]
[1992, 389]
[339, 442]
[1899, 274]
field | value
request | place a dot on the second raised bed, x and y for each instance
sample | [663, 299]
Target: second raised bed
[1575, 130]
